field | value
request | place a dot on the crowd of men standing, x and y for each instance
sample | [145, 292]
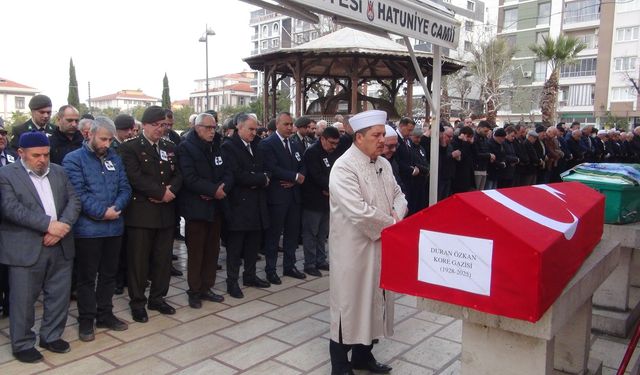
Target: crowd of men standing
[481, 156]
[94, 204]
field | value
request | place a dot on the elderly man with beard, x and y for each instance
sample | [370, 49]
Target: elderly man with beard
[98, 177]
[364, 200]
[39, 206]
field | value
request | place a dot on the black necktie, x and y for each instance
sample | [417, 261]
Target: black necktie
[286, 146]
[155, 147]
[249, 149]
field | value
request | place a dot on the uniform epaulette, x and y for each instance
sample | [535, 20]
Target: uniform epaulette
[130, 139]
[169, 141]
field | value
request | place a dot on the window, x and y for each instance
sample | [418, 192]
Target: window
[623, 94]
[625, 34]
[581, 11]
[314, 34]
[510, 40]
[540, 71]
[447, 1]
[580, 95]
[580, 68]
[471, 6]
[622, 64]
[468, 25]
[265, 30]
[299, 39]
[590, 40]
[468, 46]
[510, 21]
[19, 102]
[541, 36]
[241, 100]
[265, 45]
[544, 13]
[275, 43]
[276, 28]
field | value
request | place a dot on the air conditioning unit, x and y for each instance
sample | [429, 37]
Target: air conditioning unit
[526, 74]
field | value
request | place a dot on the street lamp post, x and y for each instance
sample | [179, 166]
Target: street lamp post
[205, 40]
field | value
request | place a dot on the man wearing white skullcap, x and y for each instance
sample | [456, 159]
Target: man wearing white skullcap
[364, 199]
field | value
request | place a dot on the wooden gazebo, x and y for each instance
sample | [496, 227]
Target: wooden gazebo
[352, 58]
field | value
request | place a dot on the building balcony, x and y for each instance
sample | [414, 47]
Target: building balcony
[255, 37]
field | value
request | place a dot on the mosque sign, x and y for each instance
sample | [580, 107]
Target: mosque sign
[413, 18]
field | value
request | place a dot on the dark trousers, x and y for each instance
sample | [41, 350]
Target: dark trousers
[121, 277]
[444, 189]
[242, 245]
[203, 248]
[96, 256]
[285, 219]
[4, 289]
[149, 258]
[51, 275]
[339, 351]
[315, 230]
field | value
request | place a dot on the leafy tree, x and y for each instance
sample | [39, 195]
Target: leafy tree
[229, 111]
[73, 98]
[181, 118]
[283, 103]
[491, 68]
[166, 99]
[108, 112]
[558, 52]
[17, 118]
[137, 112]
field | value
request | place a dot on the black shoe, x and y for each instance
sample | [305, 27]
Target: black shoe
[374, 367]
[256, 281]
[86, 331]
[74, 295]
[194, 300]
[211, 296]
[174, 257]
[140, 315]
[234, 290]
[175, 271]
[119, 290]
[295, 274]
[31, 355]
[57, 346]
[111, 322]
[258, 257]
[313, 272]
[273, 278]
[162, 307]
[323, 267]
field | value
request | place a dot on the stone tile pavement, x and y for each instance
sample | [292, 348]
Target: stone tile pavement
[281, 330]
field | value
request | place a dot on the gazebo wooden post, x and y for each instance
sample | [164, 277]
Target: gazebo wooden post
[297, 75]
[265, 96]
[354, 86]
[409, 97]
[274, 97]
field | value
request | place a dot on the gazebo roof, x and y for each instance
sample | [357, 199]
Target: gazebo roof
[333, 56]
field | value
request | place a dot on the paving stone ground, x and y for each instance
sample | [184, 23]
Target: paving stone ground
[281, 330]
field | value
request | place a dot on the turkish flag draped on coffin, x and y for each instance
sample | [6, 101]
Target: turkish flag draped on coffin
[507, 252]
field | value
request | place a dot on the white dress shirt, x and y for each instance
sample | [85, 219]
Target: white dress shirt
[43, 187]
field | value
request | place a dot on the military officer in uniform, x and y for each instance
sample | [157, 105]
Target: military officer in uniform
[124, 129]
[151, 165]
[40, 106]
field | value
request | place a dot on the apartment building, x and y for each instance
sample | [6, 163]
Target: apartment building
[14, 97]
[125, 100]
[228, 90]
[594, 86]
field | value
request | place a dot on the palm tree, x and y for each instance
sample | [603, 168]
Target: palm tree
[558, 52]
[491, 67]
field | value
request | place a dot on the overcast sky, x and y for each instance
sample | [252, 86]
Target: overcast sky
[120, 44]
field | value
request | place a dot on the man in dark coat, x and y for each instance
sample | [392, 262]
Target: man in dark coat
[464, 179]
[481, 154]
[511, 159]
[573, 143]
[40, 106]
[205, 183]
[318, 160]
[496, 168]
[419, 198]
[151, 165]
[174, 137]
[407, 168]
[529, 172]
[302, 131]
[446, 162]
[247, 214]
[283, 159]
[66, 137]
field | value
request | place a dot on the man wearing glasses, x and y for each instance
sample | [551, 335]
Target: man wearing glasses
[152, 170]
[40, 106]
[66, 137]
